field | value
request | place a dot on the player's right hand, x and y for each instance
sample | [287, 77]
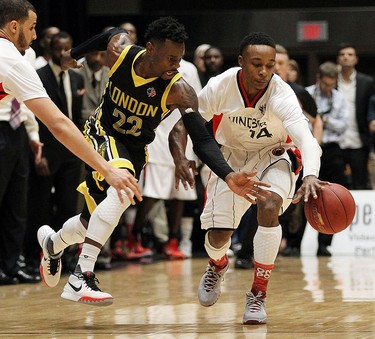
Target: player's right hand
[242, 183]
[123, 181]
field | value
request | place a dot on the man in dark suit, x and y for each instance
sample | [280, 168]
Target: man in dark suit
[53, 182]
[357, 89]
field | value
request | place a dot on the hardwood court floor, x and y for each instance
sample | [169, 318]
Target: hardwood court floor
[308, 298]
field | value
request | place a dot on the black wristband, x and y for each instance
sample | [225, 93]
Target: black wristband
[205, 146]
[98, 42]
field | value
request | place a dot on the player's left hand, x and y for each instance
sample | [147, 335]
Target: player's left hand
[310, 186]
[242, 184]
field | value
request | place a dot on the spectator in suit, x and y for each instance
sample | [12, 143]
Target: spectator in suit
[213, 64]
[199, 58]
[95, 77]
[357, 88]
[59, 170]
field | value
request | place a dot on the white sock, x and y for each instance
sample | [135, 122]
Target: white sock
[102, 222]
[72, 232]
[88, 257]
[266, 244]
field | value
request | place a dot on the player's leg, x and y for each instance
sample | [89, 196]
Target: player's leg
[82, 284]
[268, 237]
[221, 215]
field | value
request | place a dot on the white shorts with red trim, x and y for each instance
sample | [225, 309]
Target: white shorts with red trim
[224, 209]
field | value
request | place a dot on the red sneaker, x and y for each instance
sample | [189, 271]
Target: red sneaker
[118, 252]
[172, 251]
[135, 250]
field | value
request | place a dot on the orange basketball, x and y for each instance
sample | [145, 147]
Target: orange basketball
[332, 211]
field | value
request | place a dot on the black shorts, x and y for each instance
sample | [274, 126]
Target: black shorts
[132, 157]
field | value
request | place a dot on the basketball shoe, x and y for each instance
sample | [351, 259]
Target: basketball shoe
[209, 287]
[135, 250]
[172, 251]
[81, 287]
[255, 311]
[50, 264]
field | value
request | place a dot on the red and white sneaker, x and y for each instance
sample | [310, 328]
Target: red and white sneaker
[82, 288]
[172, 251]
[135, 250]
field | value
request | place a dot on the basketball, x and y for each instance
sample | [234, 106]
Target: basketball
[332, 211]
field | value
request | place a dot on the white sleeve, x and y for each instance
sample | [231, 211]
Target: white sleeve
[206, 98]
[308, 145]
[23, 82]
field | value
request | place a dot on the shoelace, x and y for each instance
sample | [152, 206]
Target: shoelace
[211, 279]
[91, 281]
[255, 303]
[54, 265]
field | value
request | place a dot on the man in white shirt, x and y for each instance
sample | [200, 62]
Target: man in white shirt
[18, 79]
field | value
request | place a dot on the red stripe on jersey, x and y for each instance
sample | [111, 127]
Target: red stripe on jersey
[2, 92]
[244, 94]
[216, 122]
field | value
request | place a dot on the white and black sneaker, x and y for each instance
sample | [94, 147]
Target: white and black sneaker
[82, 287]
[50, 264]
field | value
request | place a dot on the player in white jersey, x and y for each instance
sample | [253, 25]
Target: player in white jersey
[257, 119]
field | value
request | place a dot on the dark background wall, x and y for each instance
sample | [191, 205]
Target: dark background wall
[224, 23]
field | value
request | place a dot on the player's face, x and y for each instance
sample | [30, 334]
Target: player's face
[347, 57]
[165, 57]
[25, 33]
[258, 64]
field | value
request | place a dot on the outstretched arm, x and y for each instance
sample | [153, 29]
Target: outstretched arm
[69, 135]
[113, 40]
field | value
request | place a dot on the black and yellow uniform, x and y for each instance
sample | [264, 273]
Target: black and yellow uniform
[125, 121]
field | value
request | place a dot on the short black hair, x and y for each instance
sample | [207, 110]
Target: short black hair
[14, 10]
[345, 45]
[256, 38]
[166, 28]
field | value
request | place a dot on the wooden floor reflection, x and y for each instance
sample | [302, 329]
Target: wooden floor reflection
[308, 298]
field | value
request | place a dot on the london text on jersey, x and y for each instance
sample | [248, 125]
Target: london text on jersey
[131, 104]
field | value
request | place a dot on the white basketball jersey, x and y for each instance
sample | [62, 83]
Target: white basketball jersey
[244, 125]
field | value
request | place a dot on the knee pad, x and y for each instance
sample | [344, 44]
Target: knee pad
[215, 253]
[111, 208]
